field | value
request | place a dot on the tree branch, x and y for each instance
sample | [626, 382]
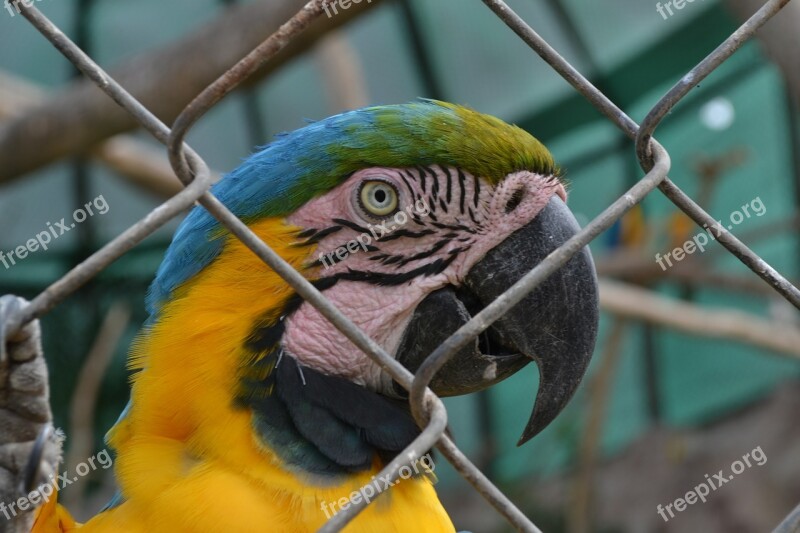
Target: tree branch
[138, 162]
[641, 304]
[164, 80]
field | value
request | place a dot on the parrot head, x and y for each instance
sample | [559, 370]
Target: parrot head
[410, 219]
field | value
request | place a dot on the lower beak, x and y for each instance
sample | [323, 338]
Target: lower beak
[555, 325]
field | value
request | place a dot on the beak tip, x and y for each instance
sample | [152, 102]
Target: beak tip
[526, 436]
[540, 419]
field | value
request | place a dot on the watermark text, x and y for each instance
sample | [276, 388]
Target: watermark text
[331, 8]
[376, 232]
[699, 241]
[55, 230]
[44, 491]
[377, 486]
[667, 7]
[712, 483]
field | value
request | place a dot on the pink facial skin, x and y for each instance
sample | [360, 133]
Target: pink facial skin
[459, 226]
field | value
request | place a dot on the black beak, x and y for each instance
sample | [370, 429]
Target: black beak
[555, 325]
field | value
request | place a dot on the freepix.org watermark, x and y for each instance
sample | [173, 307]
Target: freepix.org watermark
[369, 491]
[98, 206]
[712, 483]
[376, 231]
[44, 491]
[667, 7]
[332, 6]
[699, 241]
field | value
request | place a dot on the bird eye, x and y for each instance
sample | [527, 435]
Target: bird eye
[379, 198]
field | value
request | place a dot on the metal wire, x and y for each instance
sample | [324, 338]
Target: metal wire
[662, 107]
[427, 408]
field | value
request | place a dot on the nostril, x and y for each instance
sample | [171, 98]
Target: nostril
[515, 200]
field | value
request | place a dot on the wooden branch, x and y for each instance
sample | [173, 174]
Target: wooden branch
[719, 281]
[343, 73]
[164, 80]
[18, 95]
[137, 162]
[633, 302]
[141, 164]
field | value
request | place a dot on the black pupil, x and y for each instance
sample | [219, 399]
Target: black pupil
[380, 196]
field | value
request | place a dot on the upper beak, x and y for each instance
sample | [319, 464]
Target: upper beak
[555, 325]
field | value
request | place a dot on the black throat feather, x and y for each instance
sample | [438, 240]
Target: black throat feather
[315, 423]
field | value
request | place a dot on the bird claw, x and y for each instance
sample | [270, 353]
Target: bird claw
[30, 448]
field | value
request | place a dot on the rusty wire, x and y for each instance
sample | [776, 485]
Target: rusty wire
[659, 110]
[428, 409]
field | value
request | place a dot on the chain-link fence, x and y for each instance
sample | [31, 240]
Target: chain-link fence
[427, 408]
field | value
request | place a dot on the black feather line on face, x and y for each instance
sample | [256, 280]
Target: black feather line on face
[424, 254]
[449, 184]
[454, 227]
[407, 175]
[402, 232]
[306, 233]
[388, 279]
[350, 224]
[434, 179]
[423, 179]
[312, 236]
[408, 185]
[462, 181]
[472, 217]
[379, 257]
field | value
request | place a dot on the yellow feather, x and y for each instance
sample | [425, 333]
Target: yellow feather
[188, 460]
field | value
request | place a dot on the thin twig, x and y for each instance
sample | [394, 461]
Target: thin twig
[579, 518]
[87, 389]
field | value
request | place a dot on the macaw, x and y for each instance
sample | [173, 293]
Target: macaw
[249, 411]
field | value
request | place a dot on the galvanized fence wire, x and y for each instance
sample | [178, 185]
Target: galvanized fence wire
[427, 408]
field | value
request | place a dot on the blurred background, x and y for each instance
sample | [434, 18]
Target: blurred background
[696, 364]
